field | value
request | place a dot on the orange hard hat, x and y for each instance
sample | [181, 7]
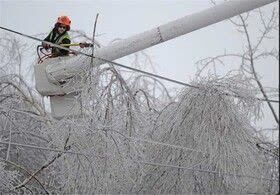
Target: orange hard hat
[64, 20]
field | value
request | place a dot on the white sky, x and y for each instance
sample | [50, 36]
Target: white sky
[123, 18]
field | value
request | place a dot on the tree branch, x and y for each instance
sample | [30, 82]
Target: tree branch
[251, 55]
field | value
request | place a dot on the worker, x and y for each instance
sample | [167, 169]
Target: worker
[59, 35]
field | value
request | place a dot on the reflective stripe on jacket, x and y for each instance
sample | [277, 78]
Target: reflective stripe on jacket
[59, 40]
[56, 38]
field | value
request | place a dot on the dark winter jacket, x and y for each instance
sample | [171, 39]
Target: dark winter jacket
[56, 38]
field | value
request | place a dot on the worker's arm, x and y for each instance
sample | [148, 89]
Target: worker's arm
[48, 38]
[82, 45]
[63, 51]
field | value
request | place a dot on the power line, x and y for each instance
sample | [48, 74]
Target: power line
[72, 152]
[188, 168]
[135, 139]
[151, 141]
[205, 171]
[139, 161]
[175, 81]
[130, 138]
[41, 148]
[123, 66]
[161, 143]
[142, 162]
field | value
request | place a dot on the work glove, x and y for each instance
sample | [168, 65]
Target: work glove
[46, 46]
[84, 44]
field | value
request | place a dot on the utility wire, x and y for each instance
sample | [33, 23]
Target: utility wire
[148, 141]
[41, 148]
[205, 171]
[134, 139]
[177, 82]
[123, 66]
[144, 162]
[144, 72]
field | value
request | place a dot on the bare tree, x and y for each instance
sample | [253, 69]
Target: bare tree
[254, 52]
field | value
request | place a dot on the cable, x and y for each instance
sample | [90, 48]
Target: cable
[180, 167]
[175, 81]
[150, 141]
[121, 65]
[205, 171]
[161, 143]
[135, 139]
[142, 162]
[41, 148]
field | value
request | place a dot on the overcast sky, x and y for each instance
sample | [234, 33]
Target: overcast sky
[123, 18]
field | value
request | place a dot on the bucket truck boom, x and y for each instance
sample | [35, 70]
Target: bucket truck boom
[160, 34]
[49, 73]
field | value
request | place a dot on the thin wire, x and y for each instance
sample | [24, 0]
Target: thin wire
[123, 66]
[177, 82]
[148, 141]
[142, 162]
[144, 72]
[130, 138]
[161, 143]
[205, 171]
[41, 148]
[164, 144]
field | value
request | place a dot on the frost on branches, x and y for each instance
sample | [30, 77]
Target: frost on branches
[218, 147]
[135, 135]
[127, 142]
[8, 178]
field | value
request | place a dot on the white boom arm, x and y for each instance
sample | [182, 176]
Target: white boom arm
[53, 70]
[157, 35]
